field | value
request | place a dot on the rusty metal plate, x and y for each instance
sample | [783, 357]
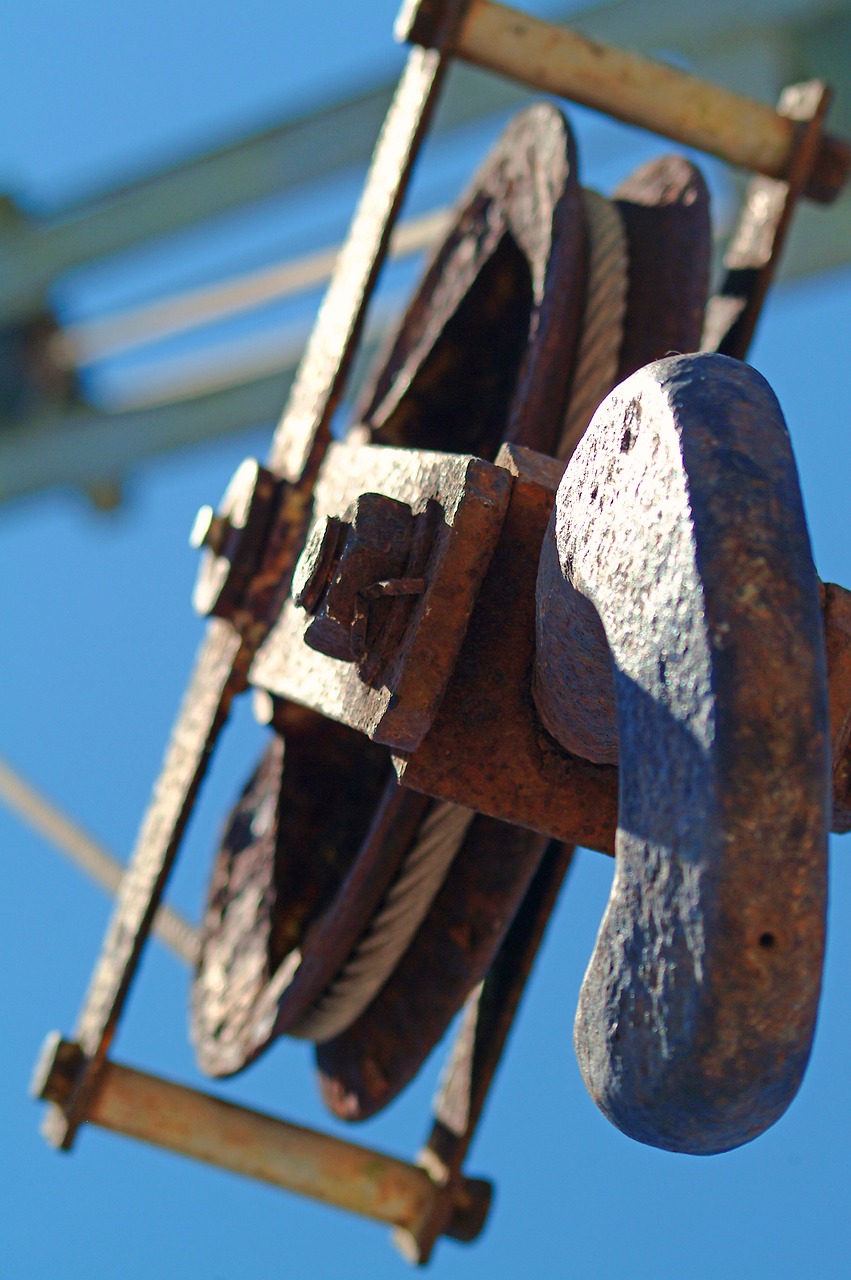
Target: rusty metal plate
[485, 349]
[364, 1068]
[294, 884]
[665, 208]
[756, 246]
[679, 526]
[472, 497]
[524, 776]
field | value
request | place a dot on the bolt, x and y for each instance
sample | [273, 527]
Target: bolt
[313, 570]
[349, 573]
[209, 530]
[232, 539]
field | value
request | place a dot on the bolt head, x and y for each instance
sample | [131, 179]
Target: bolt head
[231, 539]
[314, 566]
[209, 530]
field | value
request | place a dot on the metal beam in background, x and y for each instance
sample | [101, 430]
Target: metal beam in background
[280, 161]
[83, 448]
[88, 450]
[300, 151]
[89, 341]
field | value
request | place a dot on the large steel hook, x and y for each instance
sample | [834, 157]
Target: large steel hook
[677, 590]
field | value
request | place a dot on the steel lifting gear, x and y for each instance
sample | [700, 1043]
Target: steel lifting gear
[553, 587]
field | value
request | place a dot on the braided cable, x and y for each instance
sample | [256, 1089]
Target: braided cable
[392, 928]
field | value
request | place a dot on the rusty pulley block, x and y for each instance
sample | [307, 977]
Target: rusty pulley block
[553, 587]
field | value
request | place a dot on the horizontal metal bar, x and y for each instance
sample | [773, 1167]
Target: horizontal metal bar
[297, 151]
[634, 89]
[247, 1142]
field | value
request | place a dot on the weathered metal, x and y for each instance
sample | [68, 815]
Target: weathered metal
[219, 673]
[363, 1068]
[232, 539]
[458, 504]
[485, 349]
[255, 1145]
[484, 352]
[756, 245]
[479, 1045]
[836, 602]
[295, 883]
[652, 95]
[679, 532]
[665, 208]
[524, 777]
[375, 537]
[733, 997]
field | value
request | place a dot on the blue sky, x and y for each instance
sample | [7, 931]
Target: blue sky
[97, 640]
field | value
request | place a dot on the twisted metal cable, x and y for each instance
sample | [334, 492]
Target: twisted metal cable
[392, 928]
[603, 320]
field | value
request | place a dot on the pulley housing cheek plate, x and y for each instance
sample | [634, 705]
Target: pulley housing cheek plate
[467, 500]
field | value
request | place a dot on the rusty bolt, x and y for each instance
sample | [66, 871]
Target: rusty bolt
[313, 570]
[352, 569]
[210, 531]
[232, 539]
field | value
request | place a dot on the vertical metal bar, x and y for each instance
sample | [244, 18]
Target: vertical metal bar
[220, 668]
[480, 1042]
[756, 245]
[303, 431]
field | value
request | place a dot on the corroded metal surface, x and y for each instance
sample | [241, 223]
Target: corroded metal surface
[679, 521]
[485, 349]
[665, 208]
[483, 353]
[260, 1146]
[478, 1047]
[653, 95]
[298, 446]
[837, 637]
[364, 1068]
[524, 777]
[461, 501]
[321, 376]
[756, 246]
[294, 884]
[232, 539]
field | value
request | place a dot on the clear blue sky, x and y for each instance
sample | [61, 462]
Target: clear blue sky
[96, 643]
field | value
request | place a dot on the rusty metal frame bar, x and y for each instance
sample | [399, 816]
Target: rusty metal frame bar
[754, 250]
[255, 1145]
[631, 88]
[297, 449]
